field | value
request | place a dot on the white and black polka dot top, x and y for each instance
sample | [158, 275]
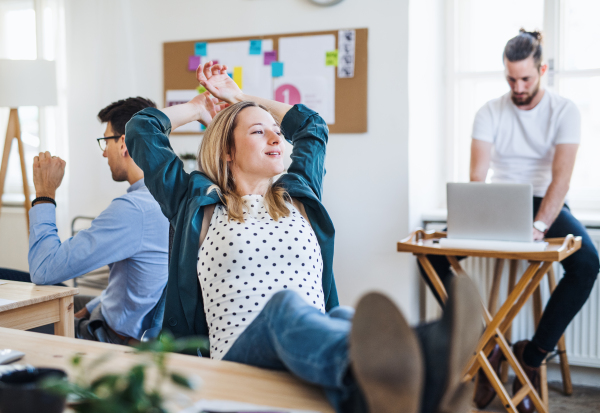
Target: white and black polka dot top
[240, 266]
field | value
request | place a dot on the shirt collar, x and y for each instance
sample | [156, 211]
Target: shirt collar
[136, 185]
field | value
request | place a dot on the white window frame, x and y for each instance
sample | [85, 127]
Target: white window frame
[16, 199]
[552, 28]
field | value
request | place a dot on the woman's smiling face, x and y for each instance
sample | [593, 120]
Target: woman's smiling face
[259, 145]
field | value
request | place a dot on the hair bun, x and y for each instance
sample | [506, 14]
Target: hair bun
[537, 35]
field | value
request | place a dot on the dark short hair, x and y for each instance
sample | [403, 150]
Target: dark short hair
[524, 45]
[118, 113]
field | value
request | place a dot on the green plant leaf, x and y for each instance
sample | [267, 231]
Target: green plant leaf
[181, 380]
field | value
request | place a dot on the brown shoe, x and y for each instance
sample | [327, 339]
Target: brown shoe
[533, 373]
[484, 391]
[386, 358]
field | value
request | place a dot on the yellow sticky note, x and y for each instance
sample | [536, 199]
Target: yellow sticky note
[331, 58]
[237, 76]
[201, 89]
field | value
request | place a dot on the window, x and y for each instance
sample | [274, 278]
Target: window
[28, 31]
[478, 31]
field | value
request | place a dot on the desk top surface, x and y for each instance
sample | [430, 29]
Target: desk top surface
[426, 242]
[22, 294]
[220, 380]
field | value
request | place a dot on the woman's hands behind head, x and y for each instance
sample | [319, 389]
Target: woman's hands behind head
[207, 107]
[216, 80]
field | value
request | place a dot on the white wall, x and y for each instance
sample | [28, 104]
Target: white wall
[426, 91]
[114, 50]
[426, 98]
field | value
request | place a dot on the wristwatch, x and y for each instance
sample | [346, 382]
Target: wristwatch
[540, 226]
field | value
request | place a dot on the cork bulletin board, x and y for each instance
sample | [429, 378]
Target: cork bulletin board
[349, 106]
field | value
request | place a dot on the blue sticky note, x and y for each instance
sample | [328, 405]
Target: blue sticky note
[200, 49]
[255, 46]
[277, 69]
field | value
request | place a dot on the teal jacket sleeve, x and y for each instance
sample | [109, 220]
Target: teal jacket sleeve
[308, 132]
[147, 140]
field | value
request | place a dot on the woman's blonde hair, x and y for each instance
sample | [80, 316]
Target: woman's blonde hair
[218, 142]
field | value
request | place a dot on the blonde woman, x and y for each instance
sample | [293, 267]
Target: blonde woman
[252, 258]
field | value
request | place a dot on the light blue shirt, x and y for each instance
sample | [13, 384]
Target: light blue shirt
[131, 236]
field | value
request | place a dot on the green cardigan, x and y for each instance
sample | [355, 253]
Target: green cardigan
[182, 198]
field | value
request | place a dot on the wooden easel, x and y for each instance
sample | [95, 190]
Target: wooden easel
[13, 131]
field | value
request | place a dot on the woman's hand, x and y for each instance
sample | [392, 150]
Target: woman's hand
[216, 80]
[207, 107]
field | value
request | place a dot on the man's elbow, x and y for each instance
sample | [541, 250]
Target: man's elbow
[37, 274]
[37, 277]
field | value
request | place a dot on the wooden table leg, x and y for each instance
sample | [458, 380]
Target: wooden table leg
[495, 290]
[433, 277]
[537, 316]
[66, 325]
[512, 281]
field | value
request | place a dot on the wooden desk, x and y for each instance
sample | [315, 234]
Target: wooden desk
[422, 243]
[219, 379]
[37, 305]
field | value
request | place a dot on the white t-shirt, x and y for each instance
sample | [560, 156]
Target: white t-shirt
[241, 266]
[525, 140]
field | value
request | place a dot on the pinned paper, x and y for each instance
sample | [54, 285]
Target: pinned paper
[193, 63]
[277, 69]
[270, 57]
[237, 76]
[201, 89]
[255, 46]
[347, 49]
[200, 49]
[331, 58]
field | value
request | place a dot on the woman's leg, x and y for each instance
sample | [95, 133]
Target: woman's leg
[342, 311]
[291, 335]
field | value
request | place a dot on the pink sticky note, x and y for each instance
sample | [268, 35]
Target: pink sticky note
[270, 57]
[193, 63]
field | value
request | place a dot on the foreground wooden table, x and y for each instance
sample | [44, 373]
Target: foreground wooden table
[218, 379]
[37, 305]
[422, 243]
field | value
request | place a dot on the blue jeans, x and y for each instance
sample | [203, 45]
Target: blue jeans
[289, 334]
[581, 271]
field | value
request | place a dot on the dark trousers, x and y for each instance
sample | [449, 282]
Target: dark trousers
[581, 271]
[14, 275]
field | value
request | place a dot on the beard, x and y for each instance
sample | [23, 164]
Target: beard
[525, 99]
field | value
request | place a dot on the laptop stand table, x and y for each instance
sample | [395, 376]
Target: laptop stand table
[422, 243]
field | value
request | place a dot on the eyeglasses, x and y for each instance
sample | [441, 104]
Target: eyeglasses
[102, 141]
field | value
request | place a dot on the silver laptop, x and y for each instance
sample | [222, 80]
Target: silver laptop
[497, 212]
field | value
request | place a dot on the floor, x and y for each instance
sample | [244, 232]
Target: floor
[583, 400]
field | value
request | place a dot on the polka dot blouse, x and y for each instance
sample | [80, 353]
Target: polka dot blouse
[241, 266]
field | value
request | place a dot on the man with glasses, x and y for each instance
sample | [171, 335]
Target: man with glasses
[130, 236]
